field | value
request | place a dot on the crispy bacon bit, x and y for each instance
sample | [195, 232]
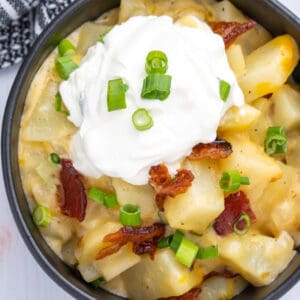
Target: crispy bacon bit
[231, 30]
[148, 246]
[225, 273]
[144, 239]
[190, 295]
[73, 198]
[215, 150]
[164, 185]
[235, 205]
[110, 250]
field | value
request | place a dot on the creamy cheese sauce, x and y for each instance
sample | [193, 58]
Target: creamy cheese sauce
[107, 142]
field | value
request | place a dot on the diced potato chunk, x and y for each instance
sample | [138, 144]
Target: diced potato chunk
[42, 192]
[103, 183]
[203, 201]
[142, 195]
[31, 154]
[251, 161]
[88, 272]
[216, 288]
[95, 215]
[116, 285]
[286, 107]
[89, 35]
[38, 86]
[130, 8]
[293, 151]
[253, 39]
[257, 131]
[207, 239]
[258, 258]
[236, 59]
[34, 165]
[189, 21]
[92, 243]
[60, 228]
[55, 244]
[48, 171]
[46, 124]
[282, 201]
[268, 67]
[68, 251]
[178, 8]
[226, 11]
[110, 17]
[161, 277]
[250, 40]
[115, 264]
[173, 8]
[239, 118]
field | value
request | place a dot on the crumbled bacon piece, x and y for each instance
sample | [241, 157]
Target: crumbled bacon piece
[235, 205]
[215, 150]
[148, 246]
[110, 250]
[190, 295]
[73, 200]
[231, 30]
[144, 239]
[164, 185]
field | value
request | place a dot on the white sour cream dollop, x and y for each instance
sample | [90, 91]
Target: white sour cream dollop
[107, 142]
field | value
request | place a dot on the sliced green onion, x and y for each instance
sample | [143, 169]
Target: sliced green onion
[141, 119]
[208, 253]
[116, 94]
[65, 47]
[275, 141]
[65, 66]
[58, 104]
[242, 225]
[96, 283]
[186, 252]
[156, 86]
[58, 101]
[232, 180]
[110, 200]
[156, 62]
[101, 37]
[224, 89]
[165, 242]
[41, 215]
[244, 180]
[96, 195]
[130, 215]
[176, 240]
[54, 157]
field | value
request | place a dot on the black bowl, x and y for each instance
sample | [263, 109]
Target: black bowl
[269, 13]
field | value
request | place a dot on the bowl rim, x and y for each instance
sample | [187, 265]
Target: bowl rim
[6, 158]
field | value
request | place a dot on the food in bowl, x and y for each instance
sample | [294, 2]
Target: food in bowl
[159, 151]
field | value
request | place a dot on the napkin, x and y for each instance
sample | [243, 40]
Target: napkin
[21, 21]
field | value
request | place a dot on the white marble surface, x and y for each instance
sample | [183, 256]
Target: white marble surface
[20, 276]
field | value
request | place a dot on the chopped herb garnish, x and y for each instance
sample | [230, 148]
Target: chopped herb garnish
[276, 140]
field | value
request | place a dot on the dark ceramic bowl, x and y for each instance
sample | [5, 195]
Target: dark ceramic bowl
[269, 13]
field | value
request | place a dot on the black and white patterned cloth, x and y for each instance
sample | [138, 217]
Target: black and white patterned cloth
[21, 21]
